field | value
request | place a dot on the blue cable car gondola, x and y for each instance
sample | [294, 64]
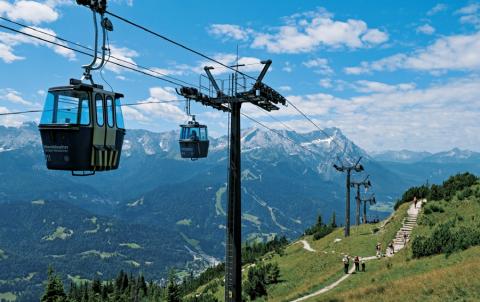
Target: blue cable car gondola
[194, 141]
[82, 127]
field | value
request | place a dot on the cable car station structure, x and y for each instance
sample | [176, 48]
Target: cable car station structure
[266, 98]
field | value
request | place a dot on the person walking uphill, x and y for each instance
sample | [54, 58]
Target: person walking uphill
[378, 249]
[415, 201]
[346, 263]
[357, 263]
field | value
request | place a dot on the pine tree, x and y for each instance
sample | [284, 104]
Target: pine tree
[319, 220]
[54, 288]
[143, 285]
[96, 286]
[173, 290]
[333, 222]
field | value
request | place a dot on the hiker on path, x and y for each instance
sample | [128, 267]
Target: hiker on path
[357, 264]
[392, 249]
[363, 265]
[378, 248]
[415, 200]
[346, 263]
[405, 237]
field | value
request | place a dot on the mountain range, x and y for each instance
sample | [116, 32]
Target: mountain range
[286, 183]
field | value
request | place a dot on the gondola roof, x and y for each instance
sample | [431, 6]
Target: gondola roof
[79, 86]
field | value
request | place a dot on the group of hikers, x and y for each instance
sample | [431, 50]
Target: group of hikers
[356, 260]
[390, 250]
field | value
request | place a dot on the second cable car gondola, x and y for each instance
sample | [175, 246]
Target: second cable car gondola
[193, 141]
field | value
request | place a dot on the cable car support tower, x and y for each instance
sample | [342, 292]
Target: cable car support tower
[357, 167]
[266, 98]
[358, 184]
[370, 200]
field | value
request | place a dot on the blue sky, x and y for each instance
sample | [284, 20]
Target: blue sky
[390, 75]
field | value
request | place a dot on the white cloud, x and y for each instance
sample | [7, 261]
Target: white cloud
[251, 64]
[311, 30]
[320, 65]
[389, 116]
[440, 7]
[285, 88]
[133, 114]
[288, 67]
[325, 83]
[128, 2]
[470, 14]
[151, 110]
[179, 69]
[127, 57]
[29, 11]
[469, 9]
[9, 41]
[7, 55]
[120, 55]
[12, 120]
[457, 52]
[356, 70]
[13, 96]
[378, 87]
[375, 36]
[425, 29]
[229, 31]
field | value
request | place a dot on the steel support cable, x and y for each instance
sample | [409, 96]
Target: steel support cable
[176, 43]
[329, 156]
[277, 132]
[146, 71]
[321, 130]
[122, 105]
[90, 49]
[213, 60]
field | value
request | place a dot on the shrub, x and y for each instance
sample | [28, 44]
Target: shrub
[466, 193]
[435, 208]
[253, 251]
[259, 277]
[446, 239]
[320, 230]
[458, 183]
[419, 192]
[446, 191]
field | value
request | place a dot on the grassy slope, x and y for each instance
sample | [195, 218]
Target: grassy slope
[435, 278]
[304, 272]
[401, 278]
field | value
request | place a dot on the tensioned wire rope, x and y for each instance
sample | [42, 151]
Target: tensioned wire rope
[136, 70]
[161, 36]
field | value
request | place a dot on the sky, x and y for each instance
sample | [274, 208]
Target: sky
[391, 75]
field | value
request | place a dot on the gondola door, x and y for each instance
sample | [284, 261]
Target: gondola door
[110, 133]
[99, 160]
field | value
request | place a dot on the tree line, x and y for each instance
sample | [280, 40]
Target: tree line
[445, 191]
[127, 287]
